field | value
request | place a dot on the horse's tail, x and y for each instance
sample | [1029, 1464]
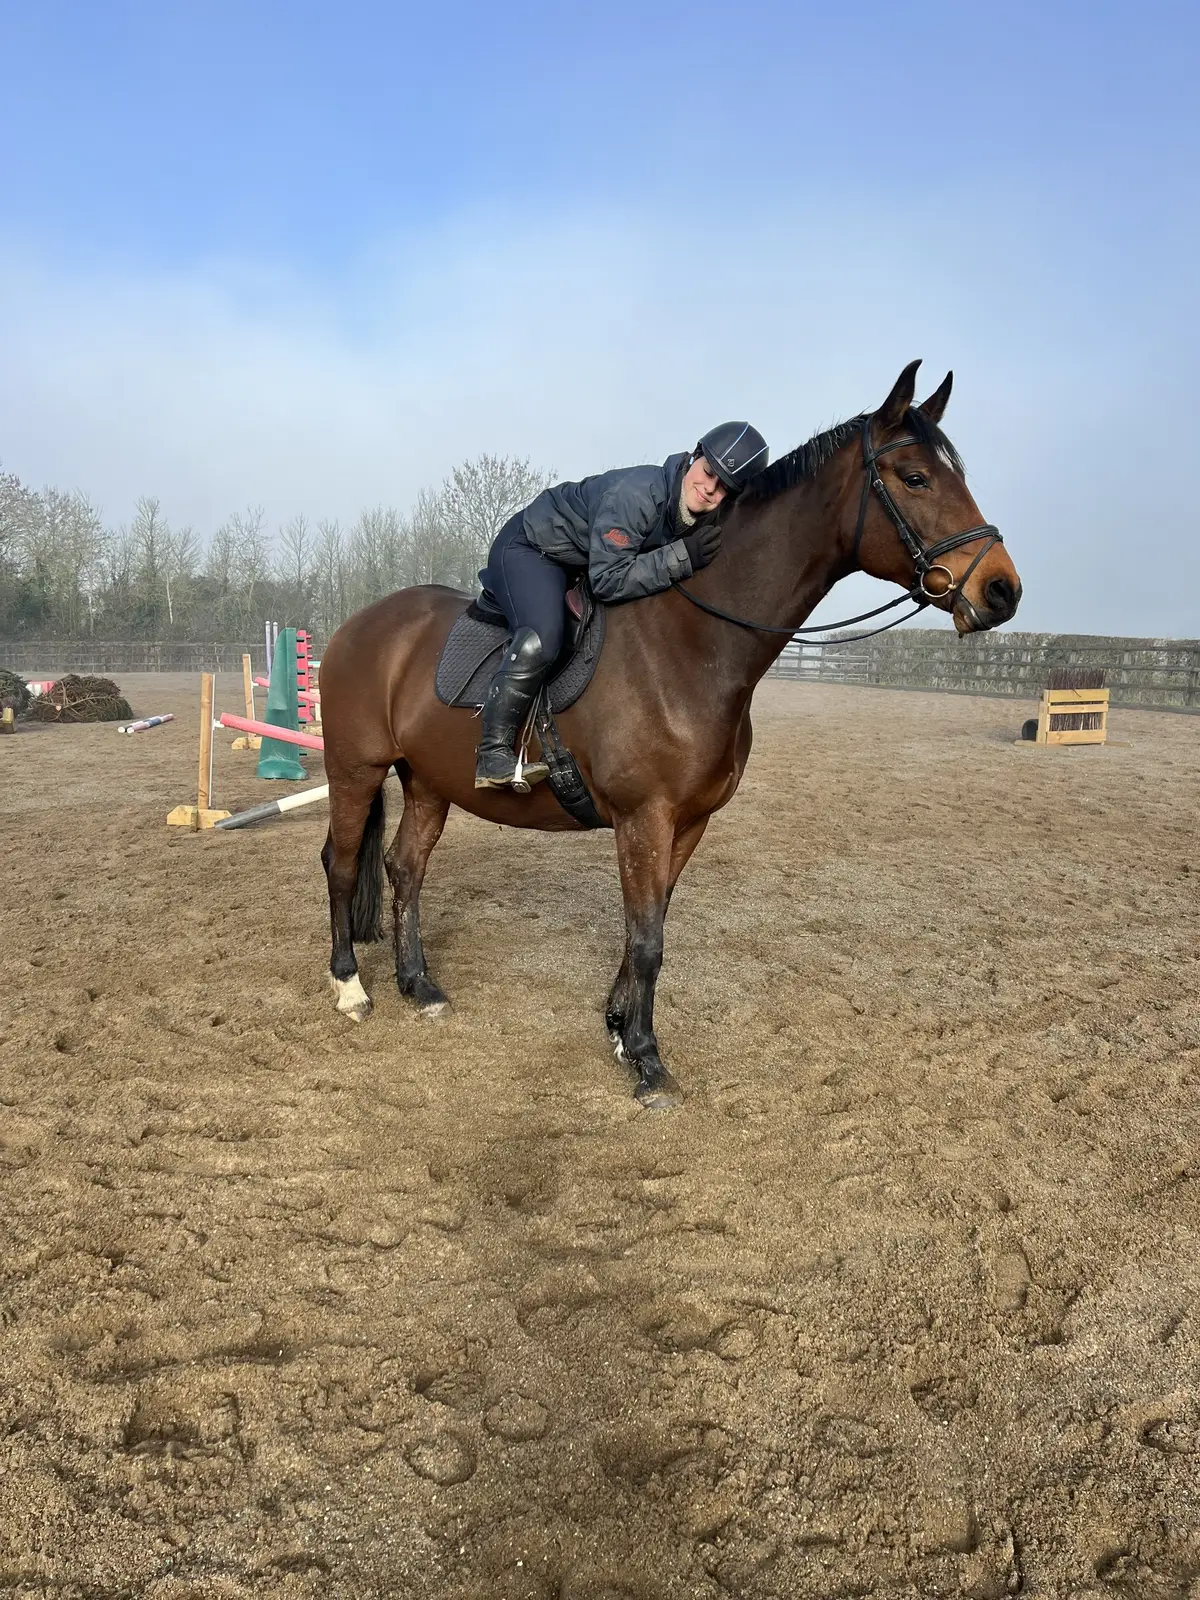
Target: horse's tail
[366, 924]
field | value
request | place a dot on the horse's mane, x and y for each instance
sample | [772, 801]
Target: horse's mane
[806, 460]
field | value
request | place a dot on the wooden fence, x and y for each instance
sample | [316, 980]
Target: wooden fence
[1139, 672]
[46, 658]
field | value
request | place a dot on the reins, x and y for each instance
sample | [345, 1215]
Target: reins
[924, 559]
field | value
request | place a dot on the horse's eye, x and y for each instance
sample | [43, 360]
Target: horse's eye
[916, 480]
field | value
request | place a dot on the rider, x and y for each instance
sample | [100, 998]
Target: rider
[635, 531]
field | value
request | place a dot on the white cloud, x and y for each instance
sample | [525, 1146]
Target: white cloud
[589, 340]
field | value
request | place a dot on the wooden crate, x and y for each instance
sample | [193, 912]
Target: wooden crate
[1073, 716]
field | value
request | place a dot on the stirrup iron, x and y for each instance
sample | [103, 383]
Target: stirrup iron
[527, 772]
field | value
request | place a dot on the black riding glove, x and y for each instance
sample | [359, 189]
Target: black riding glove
[702, 545]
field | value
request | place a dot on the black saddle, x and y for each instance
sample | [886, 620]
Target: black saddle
[472, 651]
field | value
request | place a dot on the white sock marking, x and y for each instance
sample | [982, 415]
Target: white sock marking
[351, 995]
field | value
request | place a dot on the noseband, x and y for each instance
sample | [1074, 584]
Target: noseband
[924, 556]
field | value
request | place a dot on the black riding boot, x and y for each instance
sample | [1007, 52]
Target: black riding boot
[518, 679]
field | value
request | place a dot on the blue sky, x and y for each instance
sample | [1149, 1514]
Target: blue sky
[311, 256]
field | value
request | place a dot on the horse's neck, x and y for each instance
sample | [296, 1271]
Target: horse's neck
[779, 560]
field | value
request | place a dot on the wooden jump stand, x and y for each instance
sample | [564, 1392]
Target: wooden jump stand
[201, 815]
[1071, 716]
[248, 741]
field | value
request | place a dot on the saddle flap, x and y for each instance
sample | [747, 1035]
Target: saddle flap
[471, 653]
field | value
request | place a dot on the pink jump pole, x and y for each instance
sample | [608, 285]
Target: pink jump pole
[310, 741]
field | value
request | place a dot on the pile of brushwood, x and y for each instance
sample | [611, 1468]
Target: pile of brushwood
[76, 699]
[14, 692]
[1076, 678]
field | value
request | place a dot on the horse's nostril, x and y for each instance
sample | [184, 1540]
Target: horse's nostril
[999, 594]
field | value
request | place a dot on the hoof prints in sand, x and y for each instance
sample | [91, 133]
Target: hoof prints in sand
[901, 1302]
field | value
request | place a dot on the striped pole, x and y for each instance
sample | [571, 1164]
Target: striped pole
[275, 808]
[302, 674]
[146, 722]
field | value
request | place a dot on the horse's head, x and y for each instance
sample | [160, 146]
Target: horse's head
[918, 524]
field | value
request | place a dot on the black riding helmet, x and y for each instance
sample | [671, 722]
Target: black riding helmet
[735, 451]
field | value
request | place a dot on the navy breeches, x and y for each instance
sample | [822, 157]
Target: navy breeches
[531, 588]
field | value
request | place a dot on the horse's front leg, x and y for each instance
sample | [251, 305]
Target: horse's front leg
[651, 856]
[616, 1007]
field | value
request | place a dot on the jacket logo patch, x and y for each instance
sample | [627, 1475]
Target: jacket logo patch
[617, 539]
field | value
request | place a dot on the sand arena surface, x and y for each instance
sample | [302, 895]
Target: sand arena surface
[902, 1303]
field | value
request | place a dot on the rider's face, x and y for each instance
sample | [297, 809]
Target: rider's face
[702, 489]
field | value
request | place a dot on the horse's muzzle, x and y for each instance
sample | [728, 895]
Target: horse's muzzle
[1000, 601]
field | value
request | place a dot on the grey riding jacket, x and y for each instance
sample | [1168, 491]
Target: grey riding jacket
[620, 525]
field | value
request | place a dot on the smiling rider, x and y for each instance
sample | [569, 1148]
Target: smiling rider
[635, 531]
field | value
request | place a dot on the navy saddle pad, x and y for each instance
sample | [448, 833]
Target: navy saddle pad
[472, 652]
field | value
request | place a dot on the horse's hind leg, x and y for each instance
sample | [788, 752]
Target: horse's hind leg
[420, 829]
[352, 863]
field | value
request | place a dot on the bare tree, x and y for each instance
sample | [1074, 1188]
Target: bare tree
[56, 538]
[20, 511]
[377, 555]
[251, 544]
[432, 545]
[61, 570]
[479, 497]
[331, 577]
[150, 532]
[220, 559]
[295, 568]
[75, 539]
[180, 557]
[149, 536]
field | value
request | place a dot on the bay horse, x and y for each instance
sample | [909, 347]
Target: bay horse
[662, 733]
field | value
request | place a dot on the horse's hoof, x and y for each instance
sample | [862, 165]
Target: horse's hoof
[431, 1002]
[659, 1094]
[353, 1001]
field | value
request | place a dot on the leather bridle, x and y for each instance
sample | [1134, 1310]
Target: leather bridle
[925, 557]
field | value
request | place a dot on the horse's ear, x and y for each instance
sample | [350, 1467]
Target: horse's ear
[897, 405]
[934, 408]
